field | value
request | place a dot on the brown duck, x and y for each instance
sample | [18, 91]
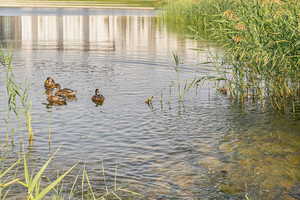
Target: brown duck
[98, 98]
[49, 83]
[68, 93]
[56, 100]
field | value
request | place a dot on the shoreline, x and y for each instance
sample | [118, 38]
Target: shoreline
[78, 7]
[73, 5]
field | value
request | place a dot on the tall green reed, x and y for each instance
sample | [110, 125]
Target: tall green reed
[3, 173]
[32, 181]
[261, 43]
[15, 91]
[37, 185]
[12, 88]
[183, 86]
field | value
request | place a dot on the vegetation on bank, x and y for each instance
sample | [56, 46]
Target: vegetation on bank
[261, 39]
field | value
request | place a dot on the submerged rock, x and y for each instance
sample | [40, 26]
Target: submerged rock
[230, 189]
[210, 163]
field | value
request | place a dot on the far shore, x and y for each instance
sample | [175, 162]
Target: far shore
[9, 4]
[91, 7]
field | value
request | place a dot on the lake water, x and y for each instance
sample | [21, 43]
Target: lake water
[205, 147]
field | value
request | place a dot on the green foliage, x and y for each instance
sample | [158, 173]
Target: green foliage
[15, 91]
[12, 88]
[182, 86]
[260, 39]
[36, 187]
[6, 183]
[5, 172]
[33, 182]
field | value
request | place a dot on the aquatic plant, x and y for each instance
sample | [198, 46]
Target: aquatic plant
[183, 86]
[110, 193]
[26, 103]
[5, 184]
[14, 90]
[37, 185]
[32, 182]
[261, 43]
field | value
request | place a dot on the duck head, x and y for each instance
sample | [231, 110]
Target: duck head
[50, 79]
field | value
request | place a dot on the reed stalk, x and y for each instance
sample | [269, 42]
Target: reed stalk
[15, 92]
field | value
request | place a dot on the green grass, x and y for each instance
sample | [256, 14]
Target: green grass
[261, 43]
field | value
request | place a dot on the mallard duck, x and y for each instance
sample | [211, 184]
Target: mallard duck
[68, 93]
[56, 100]
[223, 90]
[98, 98]
[49, 83]
[149, 100]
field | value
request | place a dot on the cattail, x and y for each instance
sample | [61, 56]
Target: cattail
[240, 27]
[279, 2]
[229, 14]
[237, 39]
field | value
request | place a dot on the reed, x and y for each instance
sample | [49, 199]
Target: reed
[26, 103]
[183, 86]
[15, 92]
[12, 88]
[32, 182]
[36, 184]
[261, 43]
[6, 183]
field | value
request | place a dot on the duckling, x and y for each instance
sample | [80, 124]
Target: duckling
[98, 98]
[223, 90]
[68, 93]
[149, 100]
[49, 83]
[56, 100]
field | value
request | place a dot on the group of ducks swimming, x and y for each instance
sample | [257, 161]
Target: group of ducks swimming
[58, 96]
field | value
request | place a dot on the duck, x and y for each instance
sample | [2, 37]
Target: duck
[98, 98]
[223, 90]
[56, 100]
[66, 92]
[49, 83]
[149, 100]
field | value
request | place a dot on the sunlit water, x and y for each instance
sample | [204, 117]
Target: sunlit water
[202, 148]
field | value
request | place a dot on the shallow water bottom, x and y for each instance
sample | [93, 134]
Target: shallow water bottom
[204, 147]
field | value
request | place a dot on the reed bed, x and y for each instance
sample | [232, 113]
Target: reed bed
[261, 40]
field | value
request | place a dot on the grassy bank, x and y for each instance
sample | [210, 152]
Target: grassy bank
[261, 40]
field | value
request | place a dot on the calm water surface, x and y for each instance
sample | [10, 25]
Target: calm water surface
[203, 148]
